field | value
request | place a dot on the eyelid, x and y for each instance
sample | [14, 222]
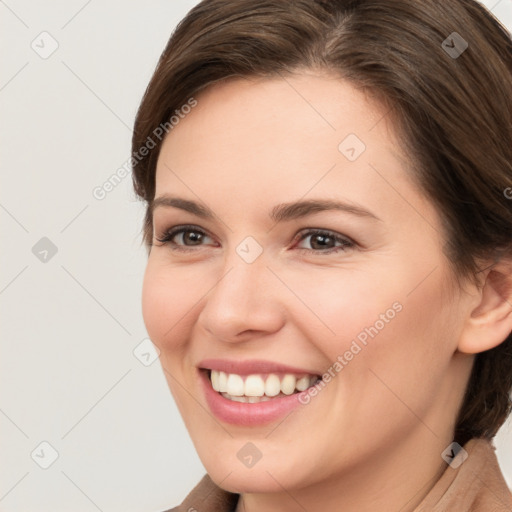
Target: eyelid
[304, 233]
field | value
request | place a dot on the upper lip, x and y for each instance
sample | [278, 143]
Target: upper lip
[251, 367]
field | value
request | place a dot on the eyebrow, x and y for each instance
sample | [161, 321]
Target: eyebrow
[280, 213]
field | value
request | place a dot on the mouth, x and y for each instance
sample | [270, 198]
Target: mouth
[258, 387]
[252, 393]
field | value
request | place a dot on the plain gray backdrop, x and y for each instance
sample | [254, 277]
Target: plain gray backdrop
[87, 421]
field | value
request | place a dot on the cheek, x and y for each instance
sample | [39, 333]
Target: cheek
[381, 321]
[403, 368]
[167, 304]
[153, 305]
[339, 303]
[168, 301]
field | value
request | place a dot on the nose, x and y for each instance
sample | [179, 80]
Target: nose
[244, 302]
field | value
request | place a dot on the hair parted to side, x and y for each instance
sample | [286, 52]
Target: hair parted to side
[453, 116]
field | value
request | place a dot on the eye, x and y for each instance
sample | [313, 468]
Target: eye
[183, 238]
[325, 242]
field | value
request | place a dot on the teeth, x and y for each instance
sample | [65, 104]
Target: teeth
[288, 384]
[272, 385]
[235, 386]
[303, 383]
[257, 388]
[247, 399]
[254, 386]
[215, 380]
[223, 382]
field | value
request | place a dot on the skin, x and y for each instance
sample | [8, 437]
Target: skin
[372, 438]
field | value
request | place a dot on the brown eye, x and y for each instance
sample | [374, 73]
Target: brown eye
[184, 236]
[325, 242]
[191, 237]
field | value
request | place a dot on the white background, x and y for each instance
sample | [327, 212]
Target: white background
[68, 375]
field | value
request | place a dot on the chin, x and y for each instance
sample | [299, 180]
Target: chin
[247, 481]
[266, 476]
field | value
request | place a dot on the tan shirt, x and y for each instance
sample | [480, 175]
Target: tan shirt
[477, 485]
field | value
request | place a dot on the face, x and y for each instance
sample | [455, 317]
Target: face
[349, 286]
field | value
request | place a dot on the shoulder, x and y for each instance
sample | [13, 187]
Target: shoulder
[473, 482]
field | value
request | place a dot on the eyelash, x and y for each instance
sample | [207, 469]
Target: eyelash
[347, 243]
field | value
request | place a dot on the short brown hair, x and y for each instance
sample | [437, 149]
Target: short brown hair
[453, 112]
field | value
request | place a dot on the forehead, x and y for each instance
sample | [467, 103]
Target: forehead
[293, 118]
[254, 140]
[304, 103]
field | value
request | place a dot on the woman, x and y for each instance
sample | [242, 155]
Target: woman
[329, 226]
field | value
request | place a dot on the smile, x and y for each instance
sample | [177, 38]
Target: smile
[255, 388]
[253, 392]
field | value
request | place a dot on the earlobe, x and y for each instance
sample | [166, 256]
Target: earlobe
[489, 323]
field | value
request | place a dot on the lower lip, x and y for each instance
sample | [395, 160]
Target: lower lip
[246, 414]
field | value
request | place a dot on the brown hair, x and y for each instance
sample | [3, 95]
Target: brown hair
[453, 113]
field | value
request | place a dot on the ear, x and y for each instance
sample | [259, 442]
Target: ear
[490, 320]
